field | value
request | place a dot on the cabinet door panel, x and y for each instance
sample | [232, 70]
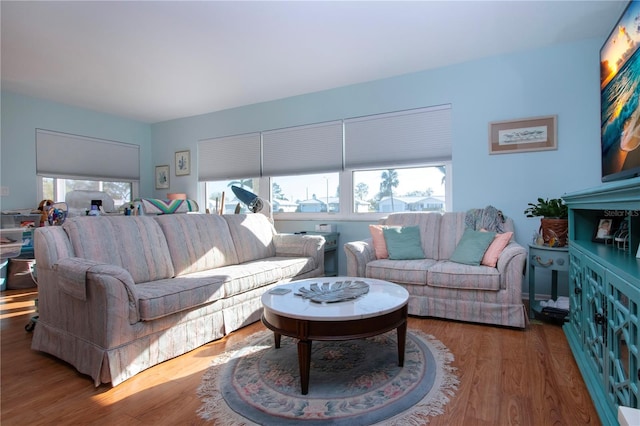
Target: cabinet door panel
[623, 335]
[575, 292]
[595, 316]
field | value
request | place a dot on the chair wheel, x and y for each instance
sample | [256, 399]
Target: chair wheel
[32, 324]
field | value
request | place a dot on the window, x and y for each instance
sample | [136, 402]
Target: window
[375, 193]
[387, 162]
[399, 190]
[315, 193]
[56, 189]
[109, 166]
[219, 192]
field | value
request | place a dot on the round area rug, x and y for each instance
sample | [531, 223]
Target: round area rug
[353, 382]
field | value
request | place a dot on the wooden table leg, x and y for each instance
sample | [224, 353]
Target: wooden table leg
[276, 339]
[402, 339]
[304, 362]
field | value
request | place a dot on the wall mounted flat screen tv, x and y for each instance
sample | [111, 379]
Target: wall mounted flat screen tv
[620, 97]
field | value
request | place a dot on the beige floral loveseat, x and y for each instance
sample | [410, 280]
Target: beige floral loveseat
[119, 294]
[441, 287]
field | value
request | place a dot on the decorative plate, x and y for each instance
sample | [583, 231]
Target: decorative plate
[334, 292]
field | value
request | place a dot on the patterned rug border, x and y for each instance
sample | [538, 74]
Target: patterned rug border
[446, 383]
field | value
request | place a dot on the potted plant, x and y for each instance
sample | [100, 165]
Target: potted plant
[554, 222]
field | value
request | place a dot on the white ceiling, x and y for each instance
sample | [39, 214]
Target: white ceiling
[158, 60]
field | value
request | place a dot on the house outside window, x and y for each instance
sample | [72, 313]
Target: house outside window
[400, 189]
[313, 193]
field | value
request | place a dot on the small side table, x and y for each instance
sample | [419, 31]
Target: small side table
[330, 252]
[552, 258]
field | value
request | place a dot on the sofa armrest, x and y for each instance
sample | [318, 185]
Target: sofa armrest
[74, 275]
[358, 254]
[511, 266]
[300, 245]
[100, 310]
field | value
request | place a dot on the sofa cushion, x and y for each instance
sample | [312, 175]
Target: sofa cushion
[135, 243]
[292, 266]
[452, 228]
[258, 273]
[252, 235]
[498, 244]
[403, 243]
[429, 224]
[157, 299]
[400, 271]
[379, 244]
[457, 275]
[198, 242]
[472, 246]
[165, 297]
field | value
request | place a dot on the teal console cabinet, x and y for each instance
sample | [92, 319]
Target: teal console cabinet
[603, 330]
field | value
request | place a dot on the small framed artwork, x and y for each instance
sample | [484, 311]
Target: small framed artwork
[604, 230]
[162, 177]
[527, 134]
[183, 163]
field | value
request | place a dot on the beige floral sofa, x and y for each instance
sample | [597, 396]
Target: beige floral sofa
[119, 294]
[441, 287]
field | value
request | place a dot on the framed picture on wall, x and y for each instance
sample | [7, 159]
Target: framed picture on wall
[162, 177]
[527, 134]
[183, 163]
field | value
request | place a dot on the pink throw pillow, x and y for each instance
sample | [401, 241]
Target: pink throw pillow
[379, 244]
[498, 244]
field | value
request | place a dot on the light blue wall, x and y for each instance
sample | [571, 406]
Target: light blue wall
[21, 116]
[562, 80]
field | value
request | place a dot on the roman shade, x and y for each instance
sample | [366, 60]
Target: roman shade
[65, 155]
[303, 149]
[230, 157]
[399, 138]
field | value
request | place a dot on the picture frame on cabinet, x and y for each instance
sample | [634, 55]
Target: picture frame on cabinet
[523, 135]
[162, 177]
[605, 229]
[183, 163]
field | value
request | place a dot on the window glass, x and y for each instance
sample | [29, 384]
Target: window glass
[214, 191]
[48, 188]
[316, 193]
[56, 189]
[399, 190]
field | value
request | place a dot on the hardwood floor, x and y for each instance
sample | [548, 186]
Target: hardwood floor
[507, 377]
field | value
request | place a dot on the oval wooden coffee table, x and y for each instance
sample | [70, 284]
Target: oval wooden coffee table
[382, 309]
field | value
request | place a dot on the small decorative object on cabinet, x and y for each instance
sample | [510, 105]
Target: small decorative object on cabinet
[553, 224]
[604, 289]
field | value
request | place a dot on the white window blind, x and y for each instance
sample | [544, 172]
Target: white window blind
[230, 157]
[71, 156]
[303, 149]
[400, 138]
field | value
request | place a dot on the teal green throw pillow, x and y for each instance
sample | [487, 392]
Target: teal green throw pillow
[403, 242]
[472, 246]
